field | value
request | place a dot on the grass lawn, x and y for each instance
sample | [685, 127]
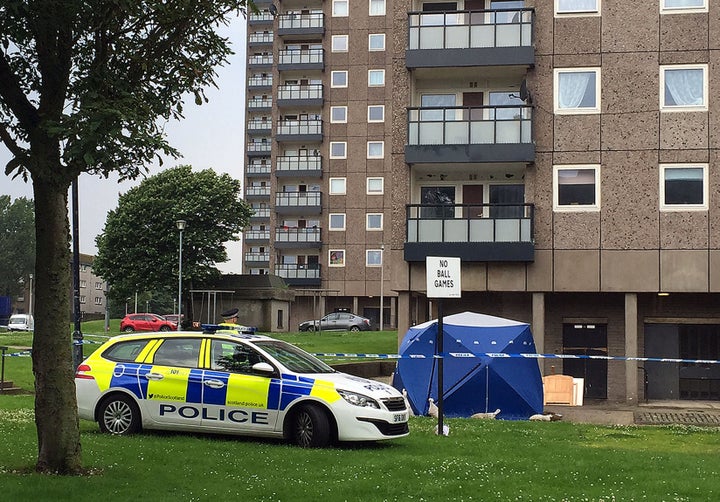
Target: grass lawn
[479, 460]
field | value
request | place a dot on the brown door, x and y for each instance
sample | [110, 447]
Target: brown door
[474, 99]
[473, 194]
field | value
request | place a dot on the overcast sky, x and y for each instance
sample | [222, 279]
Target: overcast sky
[211, 136]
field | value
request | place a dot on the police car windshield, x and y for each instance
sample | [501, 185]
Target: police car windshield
[293, 358]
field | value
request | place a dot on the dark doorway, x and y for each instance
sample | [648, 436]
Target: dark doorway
[587, 340]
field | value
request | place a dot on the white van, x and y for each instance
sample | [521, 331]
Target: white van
[21, 322]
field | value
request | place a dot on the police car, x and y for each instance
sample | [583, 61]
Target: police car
[230, 382]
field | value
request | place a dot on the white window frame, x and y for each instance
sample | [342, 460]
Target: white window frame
[379, 71]
[333, 120]
[344, 147]
[684, 108]
[333, 74]
[338, 190]
[579, 110]
[331, 228]
[575, 208]
[370, 180]
[704, 206]
[374, 215]
[367, 257]
[370, 144]
[338, 10]
[683, 10]
[336, 39]
[382, 10]
[380, 36]
[341, 263]
[578, 12]
[371, 121]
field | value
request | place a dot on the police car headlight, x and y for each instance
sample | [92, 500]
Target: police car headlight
[358, 399]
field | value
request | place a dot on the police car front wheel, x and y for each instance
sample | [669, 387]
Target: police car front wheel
[119, 414]
[311, 428]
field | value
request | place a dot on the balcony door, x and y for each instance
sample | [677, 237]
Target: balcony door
[436, 197]
[473, 194]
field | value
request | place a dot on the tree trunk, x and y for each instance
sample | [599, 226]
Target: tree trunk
[56, 416]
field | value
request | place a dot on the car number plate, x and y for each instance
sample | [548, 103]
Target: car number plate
[399, 417]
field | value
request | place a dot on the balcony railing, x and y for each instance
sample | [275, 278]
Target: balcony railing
[261, 38]
[299, 127]
[294, 57]
[300, 92]
[256, 125]
[260, 81]
[471, 29]
[301, 21]
[265, 147]
[481, 125]
[261, 212]
[297, 235]
[297, 199]
[476, 232]
[260, 60]
[256, 235]
[257, 257]
[257, 191]
[261, 17]
[290, 271]
[295, 163]
[257, 169]
[256, 103]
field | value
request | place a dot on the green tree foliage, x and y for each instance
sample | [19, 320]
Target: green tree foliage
[138, 248]
[17, 243]
[87, 87]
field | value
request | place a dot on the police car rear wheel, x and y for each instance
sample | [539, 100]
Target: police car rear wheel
[119, 415]
[311, 428]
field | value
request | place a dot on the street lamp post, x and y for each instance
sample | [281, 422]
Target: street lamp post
[382, 283]
[180, 226]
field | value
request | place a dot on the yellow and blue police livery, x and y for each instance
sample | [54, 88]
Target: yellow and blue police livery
[231, 382]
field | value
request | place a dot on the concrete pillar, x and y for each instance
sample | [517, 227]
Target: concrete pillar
[631, 348]
[538, 325]
[355, 306]
[393, 312]
[403, 315]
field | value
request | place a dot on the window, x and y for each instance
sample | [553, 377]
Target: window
[683, 187]
[338, 186]
[680, 6]
[340, 8]
[234, 357]
[376, 78]
[375, 186]
[577, 7]
[337, 222]
[339, 79]
[373, 258]
[577, 90]
[98, 300]
[376, 113]
[338, 150]
[375, 149]
[83, 283]
[336, 257]
[338, 114]
[82, 298]
[684, 87]
[576, 188]
[98, 285]
[376, 42]
[377, 7]
[374, 221]
[178, 352]
[340, 43]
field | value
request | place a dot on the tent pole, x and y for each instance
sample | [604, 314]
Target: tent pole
[440, 350]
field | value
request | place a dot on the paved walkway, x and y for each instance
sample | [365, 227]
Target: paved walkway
[700, 413]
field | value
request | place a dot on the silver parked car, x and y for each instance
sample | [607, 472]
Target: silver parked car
[338, 321]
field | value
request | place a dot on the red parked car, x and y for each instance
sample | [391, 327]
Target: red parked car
[146, 322]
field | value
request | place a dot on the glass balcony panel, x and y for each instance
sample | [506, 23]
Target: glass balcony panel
[482, 36]
[481, 230]
[412, 230]
[456, 133]
[456, 37]
[430, 133]
[507, 230]
[430, 231]
[456, 230]
[525, 230]
[526, 131]
[482, 133]
[432, 38]
[526, 35]
[414, 41]
[508, 35]
[507, 131]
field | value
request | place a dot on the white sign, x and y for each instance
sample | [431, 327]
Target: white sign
[443, 277]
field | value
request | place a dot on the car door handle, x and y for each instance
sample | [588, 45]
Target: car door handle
[214, 384]
[154, 376]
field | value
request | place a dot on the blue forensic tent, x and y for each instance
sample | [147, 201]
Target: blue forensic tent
[472, 383]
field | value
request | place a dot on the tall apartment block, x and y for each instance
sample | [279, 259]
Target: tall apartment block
[567, 151]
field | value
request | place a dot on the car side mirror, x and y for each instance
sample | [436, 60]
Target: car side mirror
[263, 368]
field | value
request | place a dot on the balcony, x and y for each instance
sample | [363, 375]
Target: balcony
[299, 275]
[473, 232]
[256, 236]
[298, 203]
[299, 130]
[305, 166]
[259, 149]
[257, 82]
[260, 214]
[257, 192]
[257, 170]
[308, 59]
[260, 38]
[297, 25]
[502, 37]
[257, 259]
[260, 61]
[260, 18]
[300, 95]
[286, 238]
[257, 126]
[260, 104]
[470, 134]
